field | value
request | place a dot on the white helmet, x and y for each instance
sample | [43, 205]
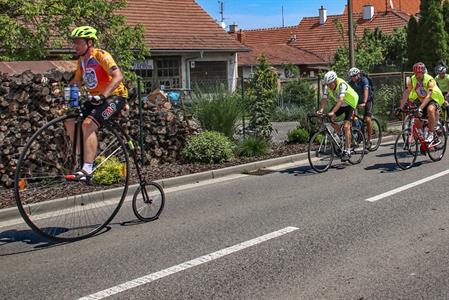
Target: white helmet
[441, 69]
[330, 77]
[353, 71]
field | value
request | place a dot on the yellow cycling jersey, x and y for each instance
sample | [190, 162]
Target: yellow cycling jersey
[95, 73]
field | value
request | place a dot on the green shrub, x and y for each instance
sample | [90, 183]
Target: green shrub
[218, 111]
[110, 172]
[252, 146]
[386, 98]
[209, 147]
[298, 135]
[300, 92]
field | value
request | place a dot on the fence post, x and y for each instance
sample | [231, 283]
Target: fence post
[318, 96]
[139, 97]
[243, 100]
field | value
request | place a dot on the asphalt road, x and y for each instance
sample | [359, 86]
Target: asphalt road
[289, 234]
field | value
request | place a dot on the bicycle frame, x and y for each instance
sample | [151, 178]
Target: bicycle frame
[416, 134]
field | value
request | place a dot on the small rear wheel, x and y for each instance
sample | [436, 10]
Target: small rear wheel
[148, 201]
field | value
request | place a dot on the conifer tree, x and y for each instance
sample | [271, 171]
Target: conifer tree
[432, 35]
[413, 46]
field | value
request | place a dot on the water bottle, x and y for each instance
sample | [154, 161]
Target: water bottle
[74, 96]
[67, 94]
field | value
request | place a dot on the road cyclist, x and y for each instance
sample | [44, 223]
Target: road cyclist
[346, 99]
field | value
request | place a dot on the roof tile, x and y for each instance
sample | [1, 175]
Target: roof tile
[178, 25]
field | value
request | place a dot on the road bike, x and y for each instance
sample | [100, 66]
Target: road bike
[411, 141]
[325, 144]
[60, 206]
[376, 131]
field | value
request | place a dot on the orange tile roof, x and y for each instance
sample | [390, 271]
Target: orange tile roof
[278, 54]
[324, 39]
[275, 35]
[410, 7]
[180, 25]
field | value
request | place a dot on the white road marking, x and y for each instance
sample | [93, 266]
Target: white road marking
[406, 187]
[186, 265]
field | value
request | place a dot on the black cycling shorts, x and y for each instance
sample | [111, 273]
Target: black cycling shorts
[102, 112]
[368, 109]
[347, 110]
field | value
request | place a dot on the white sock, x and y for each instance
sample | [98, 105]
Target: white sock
[88, 168]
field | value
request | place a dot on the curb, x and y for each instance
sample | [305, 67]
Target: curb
[7, 214]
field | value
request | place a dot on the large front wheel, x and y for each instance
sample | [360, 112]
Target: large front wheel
[53, 201]
[321, 151]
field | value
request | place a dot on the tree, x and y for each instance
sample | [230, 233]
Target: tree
[413, 46]
[369, 51]
[263, 90]
[29, 29]
[396, 53]
[445, 10]
[433, 38]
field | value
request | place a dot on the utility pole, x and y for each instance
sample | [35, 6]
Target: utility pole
[351, 35]
[221, 11]
[283, 16]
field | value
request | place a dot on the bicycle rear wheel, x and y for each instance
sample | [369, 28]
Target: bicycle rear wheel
[55, 203]
[405, 149]
[148, 201]
[437, 147]
[376, 134]
[321, 151]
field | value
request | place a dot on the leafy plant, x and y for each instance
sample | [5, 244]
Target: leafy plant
[28, 29]
[386, 99]
[209, 147]
[110, 171]
[298, 135]
[263, 90]
[252, 146]
[217, 111]
[299, 92]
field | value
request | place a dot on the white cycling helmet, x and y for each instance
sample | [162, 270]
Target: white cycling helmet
[441, 69]
[353, 71]
[330, 77]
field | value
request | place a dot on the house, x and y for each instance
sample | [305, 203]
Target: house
[188, 48]
[317, 38]
[279, 45]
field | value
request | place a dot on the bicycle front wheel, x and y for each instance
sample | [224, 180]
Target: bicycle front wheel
[437, 147]
[376, 134]
[358, 146]
[405, 149]
[148, 201]
[54, 202]
[321, 151]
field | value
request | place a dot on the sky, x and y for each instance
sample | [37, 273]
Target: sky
[251, 14]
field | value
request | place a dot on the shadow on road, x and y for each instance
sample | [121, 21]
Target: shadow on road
[28, 237]
[308, 171]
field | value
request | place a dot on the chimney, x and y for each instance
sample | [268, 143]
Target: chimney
[233, 28]
[368, 12]
[292, 40]
[323, 15]
[241, 36]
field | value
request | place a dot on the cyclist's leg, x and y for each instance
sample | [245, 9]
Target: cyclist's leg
[367, 117]
[347, 110]
[97, 117]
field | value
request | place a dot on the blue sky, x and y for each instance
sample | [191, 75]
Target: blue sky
[250, 14]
